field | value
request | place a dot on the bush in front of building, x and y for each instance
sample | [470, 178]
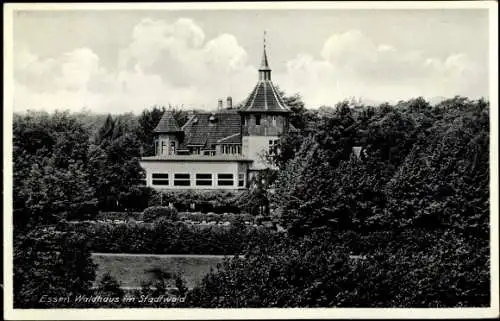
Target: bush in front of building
[154, 213]
[121, 216]
[225, 217]
[167, 237]
[200, 201]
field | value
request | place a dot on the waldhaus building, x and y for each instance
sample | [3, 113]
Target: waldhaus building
[223, 149]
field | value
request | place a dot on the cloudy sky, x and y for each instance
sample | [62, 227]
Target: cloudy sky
[121, 61]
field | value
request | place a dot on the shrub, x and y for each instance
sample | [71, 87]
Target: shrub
[156, 212]
[122, 216]
[137, 198]
[51, 263]
[205, 201]
[226, 217]
[167, 237]
[416, 268]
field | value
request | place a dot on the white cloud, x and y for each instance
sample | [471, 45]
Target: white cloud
[352, 65]
[164, 64]
[173, 63]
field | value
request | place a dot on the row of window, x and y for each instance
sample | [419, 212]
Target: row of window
[258, 119]
[162, 179]
[231, 149]
[163, 150]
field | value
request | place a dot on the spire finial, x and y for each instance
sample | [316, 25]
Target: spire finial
[264, 63]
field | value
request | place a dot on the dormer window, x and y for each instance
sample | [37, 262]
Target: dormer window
[212, 118]
[257, 120]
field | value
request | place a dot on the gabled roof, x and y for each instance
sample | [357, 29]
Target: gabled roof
[201, 131]
[167, 124]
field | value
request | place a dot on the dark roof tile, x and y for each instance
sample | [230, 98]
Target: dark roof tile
[264, 98]
[201, 131]
[167, 124]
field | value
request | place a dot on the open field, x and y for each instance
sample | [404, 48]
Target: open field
[131, 269]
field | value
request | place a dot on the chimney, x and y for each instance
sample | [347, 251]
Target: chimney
[219, 105]
[229, 102]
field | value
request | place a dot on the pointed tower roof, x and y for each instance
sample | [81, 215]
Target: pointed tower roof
[167, 124]
[264, 97]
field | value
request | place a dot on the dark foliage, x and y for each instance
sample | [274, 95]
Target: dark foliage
[154, 213]
[48, 264]
[167, 237]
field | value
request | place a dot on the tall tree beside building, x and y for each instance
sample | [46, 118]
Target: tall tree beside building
[114, 164]
[148, 120]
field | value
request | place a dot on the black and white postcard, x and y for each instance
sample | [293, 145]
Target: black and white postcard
[251, 160]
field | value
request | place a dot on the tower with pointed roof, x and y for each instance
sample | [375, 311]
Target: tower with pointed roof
[264, 116]
[223, 149]
[169, 135]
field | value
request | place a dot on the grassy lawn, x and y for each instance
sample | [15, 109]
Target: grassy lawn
[131, 269]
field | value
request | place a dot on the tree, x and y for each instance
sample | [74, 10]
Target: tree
[50, 169]
[148, 120]
[445, 179]
[114, 164]
[51, 263]
[304, 184]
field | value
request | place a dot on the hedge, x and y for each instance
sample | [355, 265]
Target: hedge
[160, 212]
[205, 201]
[165, 237]
[182, 216]
[226, 217]
[122, 216]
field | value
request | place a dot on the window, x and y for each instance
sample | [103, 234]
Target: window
[238, 149]
[233, 149]
[163, 147]
[274, 120]
[181, 180]
[172, 148]
[241, 179]
[257, 120]
[160, 179]
[225, 179]
[203, 179]
[273, 146]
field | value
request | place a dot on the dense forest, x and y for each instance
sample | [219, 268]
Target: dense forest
[402, 222]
